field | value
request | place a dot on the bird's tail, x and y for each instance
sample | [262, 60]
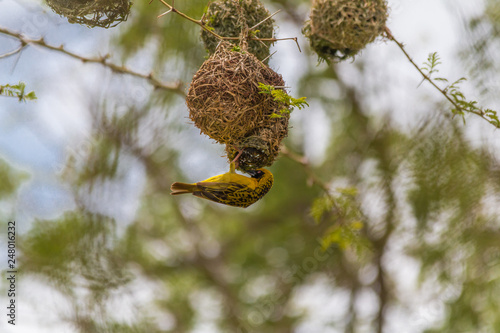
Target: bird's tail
[181, 188]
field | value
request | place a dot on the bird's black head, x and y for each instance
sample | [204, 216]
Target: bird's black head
[256, 173]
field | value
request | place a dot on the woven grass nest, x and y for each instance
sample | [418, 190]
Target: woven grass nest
[92, 13]
[339, 29]
[229, 17]
[225, 103]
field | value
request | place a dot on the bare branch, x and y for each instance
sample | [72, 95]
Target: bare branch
[174, 87]
[307, 168]
[8, 54]
[264, 20]
[426, 77]
[204, 27]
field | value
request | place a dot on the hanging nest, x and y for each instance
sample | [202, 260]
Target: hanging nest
[92, 13]
[259, 149]
[229, 17]
[339, 29]
[225, 103]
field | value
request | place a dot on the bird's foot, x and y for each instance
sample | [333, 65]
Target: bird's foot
[235, 162]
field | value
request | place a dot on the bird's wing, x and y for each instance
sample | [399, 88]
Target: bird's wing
[208, 186]
[217, 191]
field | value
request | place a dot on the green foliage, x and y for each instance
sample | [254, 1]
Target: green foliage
[280, 95]
[66, 250]
[18, 91]
[101, 158]
[10, 179]
[89, 324]
[102, 161]
[455, 233]
[79, 250]
[345, 237]
[342, 212]
[253, 33]
[344, 204]
[236, 48]
[172, 35]
[430, 66]
[482, 33]
[449, 176]
[455, 95]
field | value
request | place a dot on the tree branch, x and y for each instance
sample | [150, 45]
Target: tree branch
[204, 26]
[8, 54]
[477, 111]
[307, 168]
[103, 60]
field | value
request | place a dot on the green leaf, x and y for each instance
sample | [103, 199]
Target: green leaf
[280, 95]
[17, 90]
[320, 206]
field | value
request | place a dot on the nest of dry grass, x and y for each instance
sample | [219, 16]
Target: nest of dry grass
[229, 17]
[92, 13]
[225, 103]
[339, 29]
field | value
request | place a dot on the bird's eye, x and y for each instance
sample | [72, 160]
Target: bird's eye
[256, 173]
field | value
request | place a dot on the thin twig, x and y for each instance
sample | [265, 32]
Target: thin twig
[8, 54]
[198, 22]
[172, 9]
[269, 56]
[264, 20]
[307, 168]
[278, 39]
[428, 79]
[204, 27]
[313, 178]
[174, 87]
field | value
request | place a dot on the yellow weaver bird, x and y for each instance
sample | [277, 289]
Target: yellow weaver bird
[230, 188]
